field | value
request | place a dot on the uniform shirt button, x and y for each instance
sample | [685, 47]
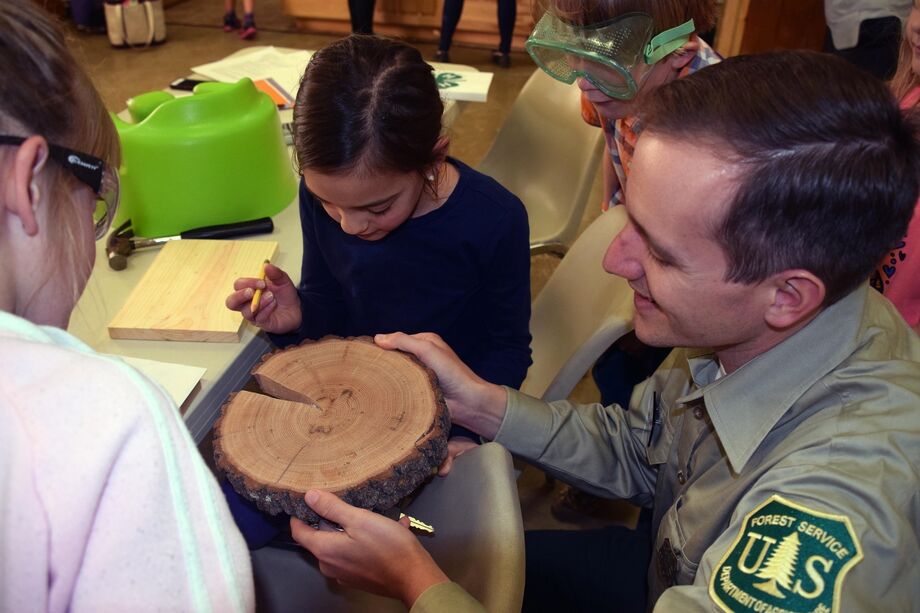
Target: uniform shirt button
[698, 412]
[681, 478]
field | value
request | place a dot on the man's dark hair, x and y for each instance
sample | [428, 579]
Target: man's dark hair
[370, 103]
[829, 164]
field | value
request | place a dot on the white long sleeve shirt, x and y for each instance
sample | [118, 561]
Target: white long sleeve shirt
[105, 503]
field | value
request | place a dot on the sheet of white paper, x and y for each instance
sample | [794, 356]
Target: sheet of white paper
[285, 68]
[288, 68]
[463, 84]
[179, 380]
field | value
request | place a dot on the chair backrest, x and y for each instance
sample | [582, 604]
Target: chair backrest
[579, 313]
[548, 156]
[478, 542]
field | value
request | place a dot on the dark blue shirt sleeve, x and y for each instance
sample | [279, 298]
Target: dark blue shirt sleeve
[507, 304]
[506, 356]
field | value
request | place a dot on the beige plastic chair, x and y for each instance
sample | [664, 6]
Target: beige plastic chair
[478, 542]
[548, 156]
[580, 312]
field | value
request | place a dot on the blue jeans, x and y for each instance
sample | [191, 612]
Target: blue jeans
[507, 13]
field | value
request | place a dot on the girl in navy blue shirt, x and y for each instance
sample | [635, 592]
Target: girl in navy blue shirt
[397, 235]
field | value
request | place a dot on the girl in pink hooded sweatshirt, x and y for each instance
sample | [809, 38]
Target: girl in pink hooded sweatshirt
[105, 504]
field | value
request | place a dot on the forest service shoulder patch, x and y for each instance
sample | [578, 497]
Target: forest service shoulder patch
[786, 557]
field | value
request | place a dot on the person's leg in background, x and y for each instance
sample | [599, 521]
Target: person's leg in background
[231, 21]
[248, 29]
[362, 16]
[877, 49]
[449, 20]
[88, 15]
[587, 570]
[507, 14]
[626, 364]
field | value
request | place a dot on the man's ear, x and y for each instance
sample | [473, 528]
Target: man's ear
[678, 60]
[796, 296]
[24, 195]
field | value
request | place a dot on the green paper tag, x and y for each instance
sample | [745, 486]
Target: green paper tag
[446, 80]
[786, 558]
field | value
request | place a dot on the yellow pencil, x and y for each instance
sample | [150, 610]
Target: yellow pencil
[256, 297]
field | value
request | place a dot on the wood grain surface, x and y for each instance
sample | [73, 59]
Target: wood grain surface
[181, 296]
[341, 415]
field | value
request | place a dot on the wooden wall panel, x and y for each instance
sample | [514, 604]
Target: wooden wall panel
[752, 26]
[783, 24]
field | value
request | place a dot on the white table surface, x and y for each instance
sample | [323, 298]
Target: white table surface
[228, 364]
[452, 108]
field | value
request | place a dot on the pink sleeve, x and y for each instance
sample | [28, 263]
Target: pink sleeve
[898, 276]
[910, 99]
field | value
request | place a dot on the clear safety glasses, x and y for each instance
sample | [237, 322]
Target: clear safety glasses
[606, 54]
[91, 171]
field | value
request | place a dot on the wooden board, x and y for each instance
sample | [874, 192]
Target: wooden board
[181, 296]
[344, 416]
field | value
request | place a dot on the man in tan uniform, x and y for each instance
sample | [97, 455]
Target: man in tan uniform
[781, 463]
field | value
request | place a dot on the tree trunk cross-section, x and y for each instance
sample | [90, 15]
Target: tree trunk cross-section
[341, 415]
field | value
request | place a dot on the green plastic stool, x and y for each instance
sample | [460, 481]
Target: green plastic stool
[217, 156]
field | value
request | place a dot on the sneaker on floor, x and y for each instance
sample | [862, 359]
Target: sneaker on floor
[502, 59]
[248, 30]
[231, 22]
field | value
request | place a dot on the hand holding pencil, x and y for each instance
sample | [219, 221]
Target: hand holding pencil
[269, 301]
[254, 305]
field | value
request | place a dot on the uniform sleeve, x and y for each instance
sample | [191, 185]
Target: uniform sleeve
[601, 450]
[809, 557]
[321, 302]
[161, 536]
[506, 357]
[446, 598]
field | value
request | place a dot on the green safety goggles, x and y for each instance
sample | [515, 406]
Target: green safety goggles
[606, 53]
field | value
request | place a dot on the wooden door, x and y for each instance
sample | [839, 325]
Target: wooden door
[753, 26]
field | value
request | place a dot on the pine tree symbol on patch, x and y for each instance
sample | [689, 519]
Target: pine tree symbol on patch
[780, 567]
[446, 80]
[786, 557]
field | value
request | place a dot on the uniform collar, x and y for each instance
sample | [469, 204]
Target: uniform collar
[745, 405]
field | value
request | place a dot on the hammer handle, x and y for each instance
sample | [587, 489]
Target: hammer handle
[263, 225]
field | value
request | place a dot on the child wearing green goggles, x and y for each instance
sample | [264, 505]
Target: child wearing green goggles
[606, 54]
[616, 49]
